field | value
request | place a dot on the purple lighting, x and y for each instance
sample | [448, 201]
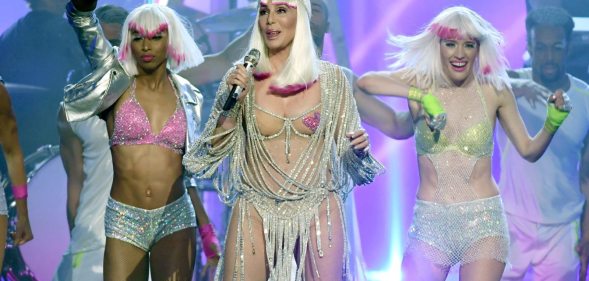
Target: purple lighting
[385, 207]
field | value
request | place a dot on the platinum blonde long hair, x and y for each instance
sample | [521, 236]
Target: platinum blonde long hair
[302, 65]
[419, 55]
[150, 19]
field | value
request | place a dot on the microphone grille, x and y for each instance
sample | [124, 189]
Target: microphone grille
[253, 56]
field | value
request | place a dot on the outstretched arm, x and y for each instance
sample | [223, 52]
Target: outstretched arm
[93, 94]
[391, 84]
[70, 148]
[383, 83]
[96, 47]
[374, 112]
[529, 148]
[15, 163]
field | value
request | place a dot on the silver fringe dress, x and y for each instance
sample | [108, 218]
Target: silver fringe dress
[284, 177]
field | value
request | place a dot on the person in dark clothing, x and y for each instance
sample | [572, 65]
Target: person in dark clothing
[40, 49]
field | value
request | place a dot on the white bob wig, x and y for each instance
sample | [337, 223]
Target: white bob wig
[151, 19]
[419, 55]
[302, 66]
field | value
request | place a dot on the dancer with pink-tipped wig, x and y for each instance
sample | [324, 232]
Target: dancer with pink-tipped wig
[454, 77]
[152, 116]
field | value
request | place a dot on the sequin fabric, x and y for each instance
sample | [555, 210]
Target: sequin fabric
[285, 176]
[289, 128]
[462, 232]
[458, 226]
[101, 89]
[132, 127]
[455, 150]
[143, 228]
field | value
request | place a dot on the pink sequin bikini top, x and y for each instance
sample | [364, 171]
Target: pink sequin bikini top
[132, 127]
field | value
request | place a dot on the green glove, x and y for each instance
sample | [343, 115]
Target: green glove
[554, 118]
[431, 104]
[432, 107]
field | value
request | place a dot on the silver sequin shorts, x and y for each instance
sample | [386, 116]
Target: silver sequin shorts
[464, 232]
[143, 228]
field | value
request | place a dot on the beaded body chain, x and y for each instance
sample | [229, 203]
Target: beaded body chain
[288, 126]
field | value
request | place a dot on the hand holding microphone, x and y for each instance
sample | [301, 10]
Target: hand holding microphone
[238, 80]
[435, 113]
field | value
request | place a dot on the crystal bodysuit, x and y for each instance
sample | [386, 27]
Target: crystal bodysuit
[293, 178]
[459, 225]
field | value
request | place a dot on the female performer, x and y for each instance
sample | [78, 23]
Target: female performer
[152, 115]
[453, 74]
[294, 147]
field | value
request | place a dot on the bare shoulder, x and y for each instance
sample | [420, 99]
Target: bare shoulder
[488, 89]
[495, 96]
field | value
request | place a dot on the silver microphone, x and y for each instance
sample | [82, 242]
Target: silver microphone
[249, 62]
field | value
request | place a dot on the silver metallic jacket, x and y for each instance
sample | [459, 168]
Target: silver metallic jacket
[99, 90]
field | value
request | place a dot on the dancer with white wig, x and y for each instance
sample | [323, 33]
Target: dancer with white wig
[152, 115]
[294, 149]
[454, 77]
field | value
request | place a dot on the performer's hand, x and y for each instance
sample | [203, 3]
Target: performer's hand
[436, 123]
[435, 115]
[240, 77]
[23, 232]
[561, 100]
[582, 249]
[557, 110]
[359, 142]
